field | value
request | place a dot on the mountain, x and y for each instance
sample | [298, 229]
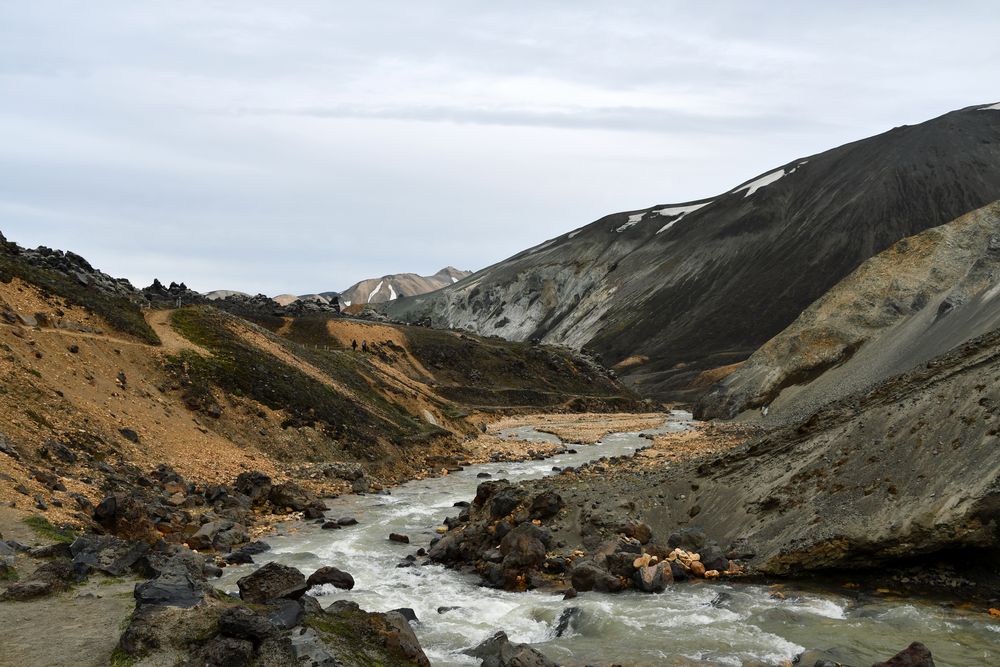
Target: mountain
[923, 296]
[391, 287]
[674, 295]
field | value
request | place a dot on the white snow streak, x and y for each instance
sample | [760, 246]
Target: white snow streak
[375, 291]
[994, 107]
[572, 234]
[633, 220]
[392, 293]
[454, 280]
[347, 304]
[761, 182]
[679, 211]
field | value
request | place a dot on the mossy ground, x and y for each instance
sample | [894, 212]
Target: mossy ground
[45, 529]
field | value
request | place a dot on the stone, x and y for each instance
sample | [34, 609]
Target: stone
[653, 578]
[505, 501]
[545, 505]
[914, 655]
[107, 554]
[331, 575]
[244, 623]
[408, 614]
[347, 521]
[638, 531]
[697, 569]
[524, 547]
[253, 484]
[586, 575]
[568, 619]
[397, 537]
[272, 582]
[498, 651]
[48, 578]
[130, 434]
[689, 539]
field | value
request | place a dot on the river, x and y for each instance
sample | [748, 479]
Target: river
[714, 623]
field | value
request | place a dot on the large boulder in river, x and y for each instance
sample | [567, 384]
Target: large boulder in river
[331, 575]
[914, 655]
[524, 547]
[587, 575]
[274, 581]
[498, 651]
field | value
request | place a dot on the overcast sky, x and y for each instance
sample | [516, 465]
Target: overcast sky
[301, 146]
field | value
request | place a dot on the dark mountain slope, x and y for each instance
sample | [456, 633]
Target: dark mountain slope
[920, 298]
[672, 291]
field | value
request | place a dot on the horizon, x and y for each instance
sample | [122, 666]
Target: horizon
[329, 145]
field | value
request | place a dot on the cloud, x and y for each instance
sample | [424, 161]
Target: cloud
[301, 147]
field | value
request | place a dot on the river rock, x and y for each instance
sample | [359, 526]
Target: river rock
[397, 537]
[653, 578]
[568, 619]
[524, 547]
[272, 582]
[331, 575]
[498, 651]
[914, 655]
[588, 576]
[505, 501]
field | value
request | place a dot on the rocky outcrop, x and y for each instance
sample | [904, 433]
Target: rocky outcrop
[667, 293]
[920, 298]
[179, 618]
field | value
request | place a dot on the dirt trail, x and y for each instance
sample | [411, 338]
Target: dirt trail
[172, 341]
[78, 628]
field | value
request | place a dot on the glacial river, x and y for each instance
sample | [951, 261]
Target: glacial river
[689, 624]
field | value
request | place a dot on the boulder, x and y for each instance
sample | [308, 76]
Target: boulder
[274, 581]
[106, 553]
[505, 501]
[586, 575]
[653, 578]
[524, 547]
[498, 651]
[331, 575]
[255, 485]
[397, 537]
[914, 655]
[545, 505]
[50, 577]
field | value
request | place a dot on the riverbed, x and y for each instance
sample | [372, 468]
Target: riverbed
[690, 623]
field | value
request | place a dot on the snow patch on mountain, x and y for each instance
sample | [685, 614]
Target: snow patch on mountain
[763, 181]
[994, 107]
[633, 220]
[375, 291]
[392, 293]
[679, 211]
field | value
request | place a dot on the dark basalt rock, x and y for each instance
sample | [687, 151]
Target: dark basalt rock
[498, 651]
[272, 582]
[331, 575]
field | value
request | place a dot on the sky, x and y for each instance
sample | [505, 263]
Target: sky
[302, 146]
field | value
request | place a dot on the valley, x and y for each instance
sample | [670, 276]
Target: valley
[754, 430]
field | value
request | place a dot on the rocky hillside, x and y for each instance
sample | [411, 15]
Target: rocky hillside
[920, 298]
[898, 486]
[674, 294]
[97, 388]
[391, 287]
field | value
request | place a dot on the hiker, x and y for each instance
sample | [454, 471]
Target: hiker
[354, 344]
[364, 346]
